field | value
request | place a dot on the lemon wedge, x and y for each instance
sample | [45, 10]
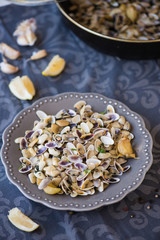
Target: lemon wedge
[55, 66]
[21, 221]
[22, 88]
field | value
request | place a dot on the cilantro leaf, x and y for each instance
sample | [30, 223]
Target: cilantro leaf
[87, 171]
[101, 150]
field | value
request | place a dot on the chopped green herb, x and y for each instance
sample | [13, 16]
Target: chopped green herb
[101, 150]
[87, 171]
[20, 166]
[73, 149]
[67, 160]
[103, 112]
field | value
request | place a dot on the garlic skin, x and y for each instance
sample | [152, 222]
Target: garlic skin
[25, 32]
[8, 51]
[8, 68]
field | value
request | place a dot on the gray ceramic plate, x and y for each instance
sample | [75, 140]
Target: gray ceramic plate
[142, 144]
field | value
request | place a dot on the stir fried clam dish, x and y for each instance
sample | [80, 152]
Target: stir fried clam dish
[125, 19]
[76, 151]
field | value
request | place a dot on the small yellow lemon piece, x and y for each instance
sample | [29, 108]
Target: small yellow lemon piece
[55, 66]
[51, 190]
[22, 88]
[21, 221]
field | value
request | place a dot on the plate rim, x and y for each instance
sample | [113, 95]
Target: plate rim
[72, 208]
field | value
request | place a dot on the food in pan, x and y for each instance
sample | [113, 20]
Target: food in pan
[76, 151]
[125, 19]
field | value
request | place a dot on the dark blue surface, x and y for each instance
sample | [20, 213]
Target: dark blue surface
[135, 83]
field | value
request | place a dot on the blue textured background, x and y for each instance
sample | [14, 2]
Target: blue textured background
[135, 83]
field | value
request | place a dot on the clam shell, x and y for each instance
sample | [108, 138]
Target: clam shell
[93, 163]
[51, 171]
[25, 168]
[80, 166]
[44, 183]
[113, 180]
[29, 134]
[104, 155]
[101, 187]
[112, 116]
[122, 120]
[100, 122]
[91, 192]
[127, 126]
[23, 144]
[42, 138]
[107, 140]
[41, 151]
[76, 119]
[25, 160]
[97, 182]
[78, 105]
[74, 158]
[64, 163]
[87, 137]
[97, 174]
[90, 154]
[42, 115]
[54, 128]
[72, 148]
[81, 149]
[65, 130]
[93, 160]
[110, 109]
[62, 123]
[73, 194]
[87, 185]
[126, 168]
[54, 152]
[85, 127]
[99, 133]
[67, 152]
[82, 175]
[97, 144]
[59, 114]
[73, 172]
[58, 138]
[106, 164]
[51, 145]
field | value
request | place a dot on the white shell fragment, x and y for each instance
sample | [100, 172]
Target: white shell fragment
[76, 152]
[107, 140]
[42, 115]
[110, 109]
[85, 127]
[25, 32]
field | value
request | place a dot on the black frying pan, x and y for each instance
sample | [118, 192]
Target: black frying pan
[127, 49]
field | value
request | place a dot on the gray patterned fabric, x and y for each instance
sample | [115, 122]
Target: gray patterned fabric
[135, 83]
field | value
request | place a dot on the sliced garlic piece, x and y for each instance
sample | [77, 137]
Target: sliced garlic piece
[9, 52]
[38, 55]
[8, 68]
[25, 32]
